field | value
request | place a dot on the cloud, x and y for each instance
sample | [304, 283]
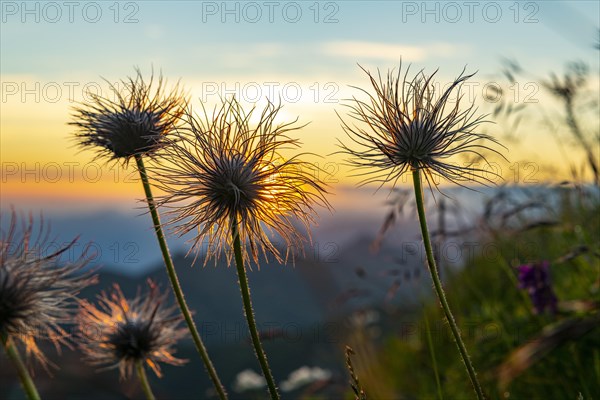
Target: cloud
[390, 52]
[246, 54]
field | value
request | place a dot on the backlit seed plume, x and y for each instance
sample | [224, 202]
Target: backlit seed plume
[136, 121]
[409, 124]
[38, 285]
[224, 166]
[119, 333]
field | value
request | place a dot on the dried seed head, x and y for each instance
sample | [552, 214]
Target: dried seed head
[406, 125]
[136, 123]
[119, 333]
[222, 169]
[37, 295]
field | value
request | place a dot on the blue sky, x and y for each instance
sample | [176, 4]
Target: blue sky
[189, 41]
[65, 46]
[189, 38]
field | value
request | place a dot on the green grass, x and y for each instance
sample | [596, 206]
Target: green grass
[496, 317]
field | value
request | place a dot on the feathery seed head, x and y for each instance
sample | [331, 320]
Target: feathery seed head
[136, 123]
[223, 169]
[405, 125]
[37, 295]
[118, 333]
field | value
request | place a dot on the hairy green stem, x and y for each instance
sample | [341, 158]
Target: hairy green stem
[141, 373]
[245, 289]
[175, 282]
[13, 353]
[438, 285]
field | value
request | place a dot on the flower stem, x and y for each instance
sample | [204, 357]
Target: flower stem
[141, 373]
[175, 282]
[438, 285]
[249, 312]
[13, 353]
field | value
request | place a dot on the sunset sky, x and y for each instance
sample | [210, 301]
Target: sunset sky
[305, 53]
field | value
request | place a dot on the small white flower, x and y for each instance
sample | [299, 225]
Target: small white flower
[248, 380]
[304, 376]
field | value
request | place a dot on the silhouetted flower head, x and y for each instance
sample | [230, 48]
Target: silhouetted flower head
[535, 278]
[408, 124]
[225, 169]
[37, 288]
[119, 333]
[135, 123]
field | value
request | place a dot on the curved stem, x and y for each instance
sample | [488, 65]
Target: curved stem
[141, 373]
[13, 353]
[175, 282]
[249, 312]
[438, 285]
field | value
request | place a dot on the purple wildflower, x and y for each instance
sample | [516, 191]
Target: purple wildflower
[535, 278]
